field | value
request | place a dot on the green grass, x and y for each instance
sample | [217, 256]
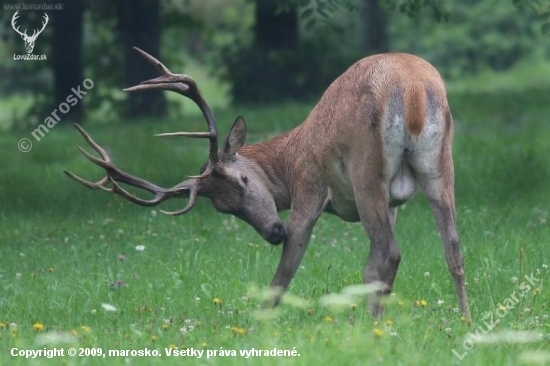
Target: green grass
[61, 244]
[530, 73]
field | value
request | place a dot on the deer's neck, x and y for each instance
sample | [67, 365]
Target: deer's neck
[271, 157]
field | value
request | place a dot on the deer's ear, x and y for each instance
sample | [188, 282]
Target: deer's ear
[236, 137]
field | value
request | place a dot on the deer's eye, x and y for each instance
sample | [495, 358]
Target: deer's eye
[244, 178]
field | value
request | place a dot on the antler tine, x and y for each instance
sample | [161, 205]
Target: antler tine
[93, 144]
[116, 188]
[192, 199]
[163, 69]
[185, 85]
[97, 185]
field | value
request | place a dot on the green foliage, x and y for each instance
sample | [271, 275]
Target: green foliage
[260, 75]
[460, 38]
[471, 40]
[326, 8]
[326, 48]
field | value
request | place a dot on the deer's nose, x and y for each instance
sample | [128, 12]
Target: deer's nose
[277, 234]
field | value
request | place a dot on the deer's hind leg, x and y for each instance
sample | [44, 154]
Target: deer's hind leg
[435, 174]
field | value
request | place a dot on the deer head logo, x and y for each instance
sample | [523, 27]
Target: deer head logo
[29, 40]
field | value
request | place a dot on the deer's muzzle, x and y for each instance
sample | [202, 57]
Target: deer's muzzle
[277, 234]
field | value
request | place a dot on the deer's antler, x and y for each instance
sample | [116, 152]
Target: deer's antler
[110, 183]
[185, 85]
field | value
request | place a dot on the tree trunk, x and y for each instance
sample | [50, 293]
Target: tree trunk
[67, 56]
[375, 21]
[139, 25]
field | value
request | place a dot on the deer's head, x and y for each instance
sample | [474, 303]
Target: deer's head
[234, 184]
[29, 40]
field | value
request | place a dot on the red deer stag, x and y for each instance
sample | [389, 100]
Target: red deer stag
[380, 132]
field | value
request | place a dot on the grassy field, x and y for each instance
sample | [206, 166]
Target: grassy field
[87, 270]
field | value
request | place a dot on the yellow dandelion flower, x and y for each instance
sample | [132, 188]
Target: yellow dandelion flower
[51, 270]
[401, 303]
[416, 303]
[74, 332]
[165, 326]
[502, 307]
[328, 319]
[537, 291]
[154, 338]
[172, 346]
[423, 303]
[3, 325]
[85, 329]
[377, 332]
[353, 306]
[204, 344]
[238, 330]
[38, 326]
[275, 334]
[217, 301]
[463, 318]
[389, 322]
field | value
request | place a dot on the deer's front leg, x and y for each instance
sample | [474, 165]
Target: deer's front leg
[299, 227]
